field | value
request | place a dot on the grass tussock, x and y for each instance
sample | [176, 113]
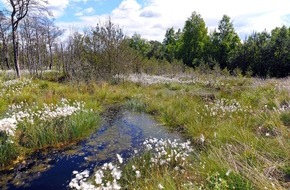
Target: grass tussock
[57, 132]
[36, 114]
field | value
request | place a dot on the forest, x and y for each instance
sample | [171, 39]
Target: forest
[103, 50]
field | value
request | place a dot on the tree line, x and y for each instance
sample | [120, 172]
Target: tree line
[30, 40]
[262, 54]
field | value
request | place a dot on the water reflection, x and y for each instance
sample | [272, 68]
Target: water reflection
[122, 132]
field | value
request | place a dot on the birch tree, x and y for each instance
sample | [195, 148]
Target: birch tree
[4, 27]
[19, 10]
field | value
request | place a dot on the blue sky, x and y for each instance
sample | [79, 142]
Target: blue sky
[75, 9]
[151, 18]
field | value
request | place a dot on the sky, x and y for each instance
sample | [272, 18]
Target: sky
[151, 18]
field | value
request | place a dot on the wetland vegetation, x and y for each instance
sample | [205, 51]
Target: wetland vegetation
[238, 128]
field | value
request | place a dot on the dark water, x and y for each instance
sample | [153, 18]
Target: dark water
[122, 132]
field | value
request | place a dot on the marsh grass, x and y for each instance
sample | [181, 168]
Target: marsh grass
[162, 164]
[135, 105]
[40, 133]
[243, 144]
[152, 176]
[57, 132]
[285, 118]
[8, 150]
[236, 141]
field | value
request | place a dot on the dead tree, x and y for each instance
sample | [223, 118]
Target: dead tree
[20, 9]
[52, 33]
[4, 27]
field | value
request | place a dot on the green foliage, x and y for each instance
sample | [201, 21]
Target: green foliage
[99, 54]
[171, 41]
[194, 40]
[225, 42]
[156, 50]
[148, 49]
[266, 54]
[216, 182]
[261, 54]
[140, 44]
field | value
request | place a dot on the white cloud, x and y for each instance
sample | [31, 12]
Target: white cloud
[153, 18]
[87, 11]
[57, 7]
[85, 1]
[79, 1]
[90, 10]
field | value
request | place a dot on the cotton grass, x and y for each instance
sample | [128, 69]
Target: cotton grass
[162, 154]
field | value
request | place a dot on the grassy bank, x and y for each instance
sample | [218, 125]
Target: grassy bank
[39, 114]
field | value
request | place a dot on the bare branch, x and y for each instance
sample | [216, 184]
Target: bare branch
[20, 9]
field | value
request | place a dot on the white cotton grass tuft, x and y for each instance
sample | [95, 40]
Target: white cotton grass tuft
[228, 172]
[138, 174]
[20, 113]
[116, 173]
[202, 138]
[163, 153]
[160, 186]
[99, 177]
[8, 126]
[120, 159]
[133, 167]
[14, 87]
[166, 152]
[223, 107]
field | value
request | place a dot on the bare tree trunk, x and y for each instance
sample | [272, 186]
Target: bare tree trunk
[50, 56]
[19, 11]
[4, 25]
[49, 47]
[14, 25]
[5, 54]
[64, 68]
[6, 58]
[15, 50]
[38, 62]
